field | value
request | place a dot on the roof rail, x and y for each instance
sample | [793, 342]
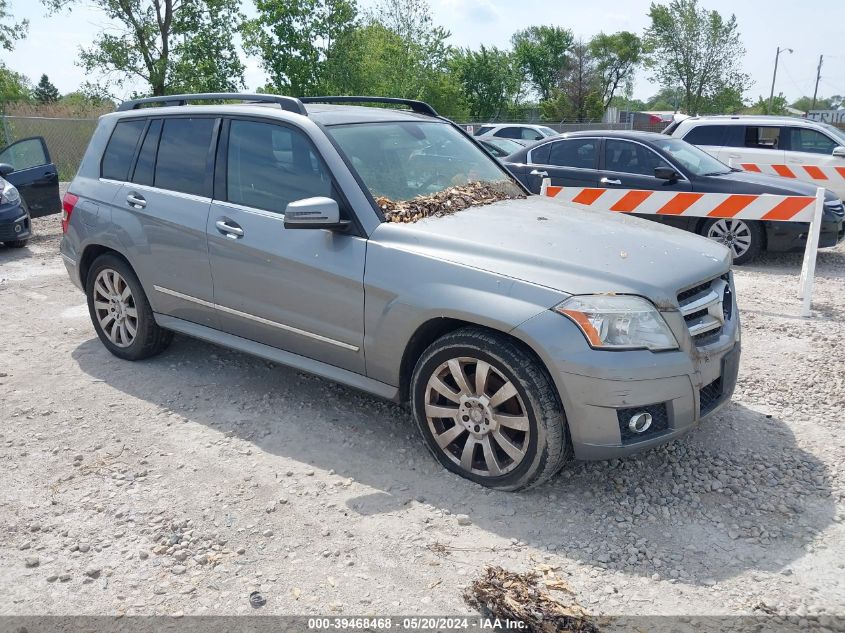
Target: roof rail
[420, 107]
[290, 104]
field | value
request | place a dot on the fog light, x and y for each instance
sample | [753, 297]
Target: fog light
[640, 422]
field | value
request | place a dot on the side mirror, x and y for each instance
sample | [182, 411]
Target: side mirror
[666, 173]
[314, 213]
[6, 168]
[837, 151]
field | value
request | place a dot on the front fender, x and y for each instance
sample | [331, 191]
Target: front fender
[405, 290]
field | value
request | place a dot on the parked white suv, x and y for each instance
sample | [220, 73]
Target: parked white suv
[518, 131]
[768, 140]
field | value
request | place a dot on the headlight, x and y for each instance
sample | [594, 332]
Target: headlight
[9, 193]
[619, 322]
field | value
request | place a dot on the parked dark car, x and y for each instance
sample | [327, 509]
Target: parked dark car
[15, 223]
[30, 169]
[646, 160]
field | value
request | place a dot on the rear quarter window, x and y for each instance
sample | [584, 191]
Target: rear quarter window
[117, 159]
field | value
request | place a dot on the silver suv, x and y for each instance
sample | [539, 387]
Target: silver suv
[522, 333]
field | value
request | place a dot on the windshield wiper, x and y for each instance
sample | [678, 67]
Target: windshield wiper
[720, 173]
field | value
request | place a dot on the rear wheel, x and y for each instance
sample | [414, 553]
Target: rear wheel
[120, 311]
[743, 237]
[488, 412]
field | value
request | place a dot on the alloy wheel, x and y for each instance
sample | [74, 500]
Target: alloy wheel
[115, 307]
[477, 417]
[735, 234]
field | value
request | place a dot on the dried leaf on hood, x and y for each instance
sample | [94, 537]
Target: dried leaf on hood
[523, 598]
[448, 201]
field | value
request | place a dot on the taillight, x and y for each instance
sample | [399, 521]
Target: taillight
[68, 202]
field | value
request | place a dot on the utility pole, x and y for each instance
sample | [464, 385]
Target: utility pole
[818, 76]
[775, 75]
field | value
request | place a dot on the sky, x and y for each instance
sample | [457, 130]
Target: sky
[53, 41]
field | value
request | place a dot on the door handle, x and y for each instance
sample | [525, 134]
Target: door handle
[537, 172]
[229, 229]
[136, 201]
[608, 181]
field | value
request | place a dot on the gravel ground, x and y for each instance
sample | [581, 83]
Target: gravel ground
[184, 483]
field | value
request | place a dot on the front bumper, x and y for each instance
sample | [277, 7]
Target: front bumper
[601, 390]
[15, 224]
[792, 236]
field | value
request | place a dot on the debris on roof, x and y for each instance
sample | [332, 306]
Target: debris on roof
[526, 598]
[448, 201]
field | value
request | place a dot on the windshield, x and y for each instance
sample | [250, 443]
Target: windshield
[547, 131]
[838, 134]
[403, 160]
[693, 159]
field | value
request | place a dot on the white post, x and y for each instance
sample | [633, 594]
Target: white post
[808, 267]
[544, 185]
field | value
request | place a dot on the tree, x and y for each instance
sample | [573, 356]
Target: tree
[761, 106]
[45, 91]
[580, 85]
[805, 104]
[13, 86]
[696, 49]
[422, 54]
[294, 38]
[616, 58]
[166, 44]
[488, 78]
[541, 52]
[10, 33]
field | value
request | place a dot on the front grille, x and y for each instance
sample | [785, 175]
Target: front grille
[710, 396]
[706, 307]
[659, 422]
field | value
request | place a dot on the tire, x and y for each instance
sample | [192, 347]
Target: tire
[131, 333]
[16, 243]
[745, 238]
[535, 434]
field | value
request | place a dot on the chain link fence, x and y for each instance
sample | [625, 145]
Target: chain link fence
[66, 138]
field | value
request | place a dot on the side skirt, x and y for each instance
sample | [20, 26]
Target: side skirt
[324, 370]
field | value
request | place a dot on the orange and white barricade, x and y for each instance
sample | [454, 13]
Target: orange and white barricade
[816, 174]
[709, 205]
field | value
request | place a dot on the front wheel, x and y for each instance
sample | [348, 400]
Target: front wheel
[16, 243]
[743, 237]
[488, 412]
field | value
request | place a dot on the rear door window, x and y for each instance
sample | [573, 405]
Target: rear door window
[762, 137]
[803, 139]
[580, 153]
[184, 161]
[117, 159]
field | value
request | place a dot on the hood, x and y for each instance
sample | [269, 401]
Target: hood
[575, 251]
[750, 182]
